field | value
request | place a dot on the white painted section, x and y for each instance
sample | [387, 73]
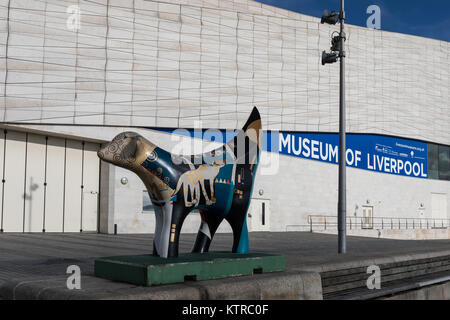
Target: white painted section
[13, 202]
[162, 242]
[72, 207]
[55, 185]
[34, 184]
[204, 228]
[91, 167]
[439, 206]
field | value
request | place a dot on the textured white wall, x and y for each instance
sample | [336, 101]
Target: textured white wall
[155, 63]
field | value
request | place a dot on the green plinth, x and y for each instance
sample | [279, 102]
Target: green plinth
[148, 270]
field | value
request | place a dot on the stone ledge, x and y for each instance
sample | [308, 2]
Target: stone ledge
[280, 285]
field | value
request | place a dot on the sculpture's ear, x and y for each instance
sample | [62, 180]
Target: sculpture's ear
[252, 127]
[251, 130]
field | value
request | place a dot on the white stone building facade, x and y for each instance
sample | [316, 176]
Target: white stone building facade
[85, 70]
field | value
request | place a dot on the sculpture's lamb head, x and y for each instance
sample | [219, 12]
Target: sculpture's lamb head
[127, 150]
[132, 151]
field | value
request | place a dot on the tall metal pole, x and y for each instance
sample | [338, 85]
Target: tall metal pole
[342, 201]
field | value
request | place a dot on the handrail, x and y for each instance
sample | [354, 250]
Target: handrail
[325, 222]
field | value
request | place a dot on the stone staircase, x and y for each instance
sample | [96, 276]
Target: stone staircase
[350, 284]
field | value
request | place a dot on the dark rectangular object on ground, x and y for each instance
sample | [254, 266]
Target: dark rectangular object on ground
[148, 270]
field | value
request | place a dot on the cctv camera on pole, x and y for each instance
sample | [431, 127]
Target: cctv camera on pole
[330, 18]
[329, 57]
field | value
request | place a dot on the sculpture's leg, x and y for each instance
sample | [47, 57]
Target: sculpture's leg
[238, 223]
[155, 252]
[211, 187]
[208, 227]
[196, 194]
[237, 216]
[162, 231]
[158, 228]
[179, 214]
[205, 194]
[186, 188]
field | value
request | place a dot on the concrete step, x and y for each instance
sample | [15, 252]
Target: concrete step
[353, 275]
[392, 289]
[348, 271]
[343, 282]
[385, 280]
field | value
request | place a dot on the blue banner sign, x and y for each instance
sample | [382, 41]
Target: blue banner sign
[369, 152]
[377, 153]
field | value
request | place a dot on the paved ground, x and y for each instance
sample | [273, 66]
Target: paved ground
[34, 255]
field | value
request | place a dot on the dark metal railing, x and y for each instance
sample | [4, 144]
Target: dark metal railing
[325, 222]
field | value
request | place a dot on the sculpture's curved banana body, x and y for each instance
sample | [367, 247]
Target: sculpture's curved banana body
[219, 184]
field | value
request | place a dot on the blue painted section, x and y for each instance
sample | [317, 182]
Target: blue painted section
[223, 190]
[243, 241]
[162, 167]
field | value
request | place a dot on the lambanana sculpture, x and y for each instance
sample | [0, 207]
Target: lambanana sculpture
[218, 183]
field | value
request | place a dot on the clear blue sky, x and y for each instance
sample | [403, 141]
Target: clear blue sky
[430, 18]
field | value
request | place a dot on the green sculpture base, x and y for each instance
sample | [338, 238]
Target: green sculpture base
[148, 270]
